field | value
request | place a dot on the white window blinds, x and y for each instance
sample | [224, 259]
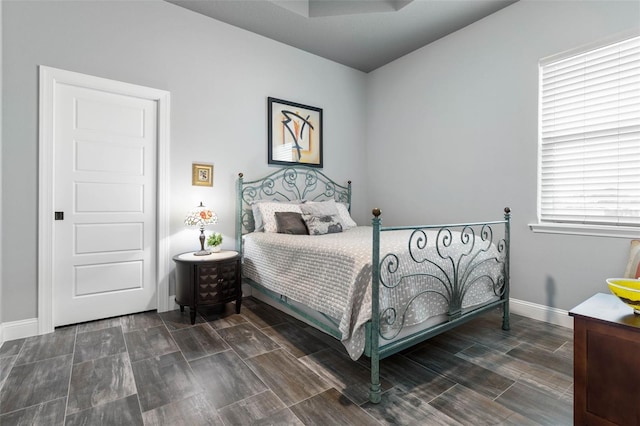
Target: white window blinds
[590, 137]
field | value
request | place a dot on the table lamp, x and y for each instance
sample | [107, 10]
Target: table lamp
[201, 216]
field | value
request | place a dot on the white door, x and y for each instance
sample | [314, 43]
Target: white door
[104, 246]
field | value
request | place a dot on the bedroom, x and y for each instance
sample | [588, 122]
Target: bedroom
[220, 76]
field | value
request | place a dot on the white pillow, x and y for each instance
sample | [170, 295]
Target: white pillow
[258, 223]
[345, 217]
[319, 208]
[268, 213]
[258, 226]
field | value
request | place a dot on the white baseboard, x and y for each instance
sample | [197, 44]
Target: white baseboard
[29, 327]
[19, 329]
[541, 313]
[26, 328]
[172, 305]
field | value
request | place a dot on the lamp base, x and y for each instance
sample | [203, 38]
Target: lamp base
[202, 251]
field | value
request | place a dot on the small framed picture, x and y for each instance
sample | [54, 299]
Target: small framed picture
[202, 174]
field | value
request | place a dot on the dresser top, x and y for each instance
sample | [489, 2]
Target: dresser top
[607, 308]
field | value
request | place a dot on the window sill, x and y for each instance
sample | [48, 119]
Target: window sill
[591, 230]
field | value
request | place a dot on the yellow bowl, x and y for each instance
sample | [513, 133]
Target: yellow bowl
[627, 290]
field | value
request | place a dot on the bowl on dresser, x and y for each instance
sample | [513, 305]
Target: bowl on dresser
[627, 290]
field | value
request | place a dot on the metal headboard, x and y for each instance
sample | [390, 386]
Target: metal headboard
[286, 184]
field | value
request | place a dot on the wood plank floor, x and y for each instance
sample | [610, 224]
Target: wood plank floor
[264, 367]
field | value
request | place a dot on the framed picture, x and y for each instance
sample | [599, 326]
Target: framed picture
[295, 133]
[202, 174]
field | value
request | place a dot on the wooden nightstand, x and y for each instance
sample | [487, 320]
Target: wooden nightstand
[606, 368]
[207, 280]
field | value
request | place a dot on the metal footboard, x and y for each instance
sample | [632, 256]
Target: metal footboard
[448, 275]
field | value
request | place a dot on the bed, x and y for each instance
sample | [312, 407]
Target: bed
[377, 289]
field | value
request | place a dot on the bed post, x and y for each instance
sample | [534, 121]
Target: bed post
[374, 340]
[507, 257]
[239, 214]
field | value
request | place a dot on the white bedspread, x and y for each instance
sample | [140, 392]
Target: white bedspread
[332, 274]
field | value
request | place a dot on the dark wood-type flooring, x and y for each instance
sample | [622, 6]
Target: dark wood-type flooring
[264, 367]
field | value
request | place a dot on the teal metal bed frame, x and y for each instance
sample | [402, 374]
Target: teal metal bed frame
[451, 283]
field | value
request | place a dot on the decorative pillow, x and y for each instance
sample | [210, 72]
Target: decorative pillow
[345, 217]
[248, 220]
[330, 207]
[320, 225]
[268, 210]
[633, 266]
[290, 223]
[319, 208]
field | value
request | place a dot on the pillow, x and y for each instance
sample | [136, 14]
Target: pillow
[248, 220]
[320, 225]
[268, 210]
[321, 208]
[258, 226]
[330, 207]
[290, 223]
[345, 217]
[258, 223]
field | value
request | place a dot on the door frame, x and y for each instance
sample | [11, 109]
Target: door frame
[49, 77]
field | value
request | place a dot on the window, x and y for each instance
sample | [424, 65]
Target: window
[589, 154]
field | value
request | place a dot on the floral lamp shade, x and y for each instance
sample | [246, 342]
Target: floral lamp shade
[201, 216]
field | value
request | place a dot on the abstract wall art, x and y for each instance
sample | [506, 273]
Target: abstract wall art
[294, 133]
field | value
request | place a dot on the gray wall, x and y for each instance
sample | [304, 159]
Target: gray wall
[454, 125]
[219, 78]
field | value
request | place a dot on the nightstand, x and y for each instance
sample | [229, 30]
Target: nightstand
[208, 280]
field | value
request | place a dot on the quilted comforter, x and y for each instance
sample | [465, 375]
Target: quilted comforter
[332, 274]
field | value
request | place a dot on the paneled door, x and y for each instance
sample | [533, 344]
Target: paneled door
[104, 234]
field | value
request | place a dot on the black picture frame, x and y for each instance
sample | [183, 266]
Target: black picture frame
[294, 133]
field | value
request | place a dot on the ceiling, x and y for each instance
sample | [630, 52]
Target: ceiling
[362, 34]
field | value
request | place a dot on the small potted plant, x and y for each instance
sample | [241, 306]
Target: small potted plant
[214, 241]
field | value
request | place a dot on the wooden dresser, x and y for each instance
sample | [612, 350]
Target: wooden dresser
[606, 362]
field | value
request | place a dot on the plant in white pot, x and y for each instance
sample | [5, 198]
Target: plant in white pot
[214, 241]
